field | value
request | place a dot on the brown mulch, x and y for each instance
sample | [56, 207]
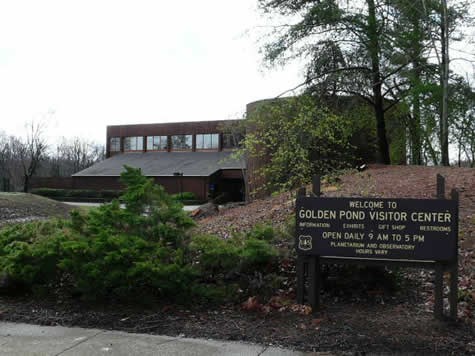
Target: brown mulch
[366, 321]
[350, 328]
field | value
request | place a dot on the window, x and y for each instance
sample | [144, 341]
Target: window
[115, 144]
[232, 140]
[157, 143]
[133, 143]
[182, 142]
[207, 141]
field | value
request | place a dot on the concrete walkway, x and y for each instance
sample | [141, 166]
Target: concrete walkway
[26, 340]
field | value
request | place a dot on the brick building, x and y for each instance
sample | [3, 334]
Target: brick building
[182, 157]
[196, 156]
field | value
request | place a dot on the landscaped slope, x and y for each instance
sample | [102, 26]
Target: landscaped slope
[383, 182]
[21, 207]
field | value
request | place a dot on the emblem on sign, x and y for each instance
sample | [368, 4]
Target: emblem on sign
[305, 242]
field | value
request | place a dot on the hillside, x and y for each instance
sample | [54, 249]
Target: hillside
[383, 182]
[377, 181]
[21, 207]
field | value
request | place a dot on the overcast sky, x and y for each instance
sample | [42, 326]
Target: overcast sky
[82, 64]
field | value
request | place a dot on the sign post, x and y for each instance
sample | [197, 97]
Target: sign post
[390, 232]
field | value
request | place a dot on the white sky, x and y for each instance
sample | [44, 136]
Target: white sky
[84, 64]
[81, 65]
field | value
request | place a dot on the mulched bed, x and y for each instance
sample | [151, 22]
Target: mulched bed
[343, 327]
[358, 322]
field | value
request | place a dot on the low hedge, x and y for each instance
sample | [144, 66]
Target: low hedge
[67, 194]
[89, 195]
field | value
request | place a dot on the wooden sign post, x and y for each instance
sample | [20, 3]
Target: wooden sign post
[419, 233]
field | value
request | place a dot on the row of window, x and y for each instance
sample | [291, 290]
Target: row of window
[178, 142]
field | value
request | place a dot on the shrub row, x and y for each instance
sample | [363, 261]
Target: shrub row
[187, 198]
[77, 193]
[101, 195]
[143, 253]
[47, 255]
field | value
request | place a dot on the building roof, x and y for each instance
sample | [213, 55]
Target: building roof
[155, 164]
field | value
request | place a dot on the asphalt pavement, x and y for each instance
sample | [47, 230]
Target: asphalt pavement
[27, 340]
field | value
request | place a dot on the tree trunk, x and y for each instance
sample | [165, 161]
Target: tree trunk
[444, 82]
[415, 126]
[415, 132]
[373, 36]
[26, 183]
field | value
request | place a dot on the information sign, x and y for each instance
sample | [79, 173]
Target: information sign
[370, 228]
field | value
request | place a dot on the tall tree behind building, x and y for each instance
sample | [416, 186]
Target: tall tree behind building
[376, 49]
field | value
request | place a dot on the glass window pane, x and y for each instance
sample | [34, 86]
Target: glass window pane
[228, 141]
[139, 143]
[206, 141]
[199, 142]
[182, 142]
[214, 141]
[162, 144]
[127, 144]
[133, 143]
[189, 141]
[115, 144]
[156, 143]
[232, 140]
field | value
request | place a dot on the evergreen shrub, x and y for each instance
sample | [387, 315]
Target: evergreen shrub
[143, 252]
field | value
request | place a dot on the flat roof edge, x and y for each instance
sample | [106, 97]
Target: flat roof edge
[174, 122]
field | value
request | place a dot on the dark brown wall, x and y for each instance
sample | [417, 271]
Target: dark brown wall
[175, 128]
[51, 182]
[165, 129]
[197, 185]
[231, 174]
[97, 183]
[94, 183]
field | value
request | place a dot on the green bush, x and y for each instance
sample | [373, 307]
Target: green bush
[214, 255]
[108, 252]
[48, 192]
[110, 194]
[125, 267]
[262, 232]
[77, 193]
[29, 252]
[184, 196]
[142, 252]
[238, 254]
[139, 248]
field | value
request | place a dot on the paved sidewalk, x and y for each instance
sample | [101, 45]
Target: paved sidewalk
[26, 340]
[185, 207]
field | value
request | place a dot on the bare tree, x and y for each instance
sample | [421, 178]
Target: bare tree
[10, 165]
[31, 151]
[76, 154]
[5, 156]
